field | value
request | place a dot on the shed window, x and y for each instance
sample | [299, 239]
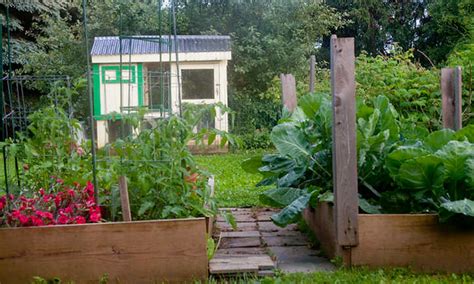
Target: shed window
[110, 75]
[198, 84]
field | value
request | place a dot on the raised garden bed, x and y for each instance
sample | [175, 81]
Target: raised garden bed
[414, 240]
[128, 252]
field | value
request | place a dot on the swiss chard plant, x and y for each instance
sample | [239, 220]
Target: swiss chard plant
[301, 170]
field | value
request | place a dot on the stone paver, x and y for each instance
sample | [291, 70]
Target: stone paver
[258, 246]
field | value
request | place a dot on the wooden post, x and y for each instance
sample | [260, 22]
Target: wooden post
[344, 141]
[312, 73]
[451, 91]
[288, 87]
[126, 215]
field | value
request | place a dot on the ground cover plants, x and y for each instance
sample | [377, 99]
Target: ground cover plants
[402, 168]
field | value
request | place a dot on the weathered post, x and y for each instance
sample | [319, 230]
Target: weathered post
[344, 141]
[123, 187]
[288, 88]
[312, 73]
[451, 92]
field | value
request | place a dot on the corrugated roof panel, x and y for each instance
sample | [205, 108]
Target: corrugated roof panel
[112, 45]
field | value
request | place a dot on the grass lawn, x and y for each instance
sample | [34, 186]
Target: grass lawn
[234, 186]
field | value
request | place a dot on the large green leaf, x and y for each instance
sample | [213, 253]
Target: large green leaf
[369, 208]
[422, 173]
[292, 213]
[438, 139]
[251, 165]
[466, 132]
[395, 159]
[282, 196]
[454, 155]
[464, 207]
[290, 141]
[310, 104]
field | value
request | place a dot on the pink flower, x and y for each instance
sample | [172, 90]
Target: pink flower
[90, 189]
[94, 214]
[36, 221]
[71, 192]
[41, 191]
[23, 219]
[63, 219]
[60, 181]
[80, 220]
[80, 151]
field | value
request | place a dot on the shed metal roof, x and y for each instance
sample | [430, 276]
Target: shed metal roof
[110, 45]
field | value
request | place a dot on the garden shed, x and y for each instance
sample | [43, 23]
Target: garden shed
[158, 73]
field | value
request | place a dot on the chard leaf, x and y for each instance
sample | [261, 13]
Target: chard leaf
[282, 196]
[436, 140]
[290, 141]
[292, 212]
[291, 177]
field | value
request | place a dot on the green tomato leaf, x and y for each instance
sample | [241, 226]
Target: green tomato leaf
[147, 205]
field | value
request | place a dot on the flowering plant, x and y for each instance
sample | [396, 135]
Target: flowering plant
[60, 205]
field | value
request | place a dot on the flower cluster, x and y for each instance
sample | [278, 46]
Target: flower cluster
[61, 205]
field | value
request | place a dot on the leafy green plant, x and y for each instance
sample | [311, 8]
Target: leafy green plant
[398, 164]
[164, 181]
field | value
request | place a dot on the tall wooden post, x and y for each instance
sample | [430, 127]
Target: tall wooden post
[344, 150]
[451, 92]
[312, 73]
[288, 88]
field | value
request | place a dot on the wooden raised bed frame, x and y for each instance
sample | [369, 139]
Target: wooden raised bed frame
[127, 252]
[414, 240]
[401, 240]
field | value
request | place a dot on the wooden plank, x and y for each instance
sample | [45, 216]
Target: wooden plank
[239, 242]
[128, 252]
[344, 140]
[238, 252]
[418, 241]
[312, 73]
[457, 98]
[226, 264]
[321, 221]
[244, 234]
[451, 92]
[288, 88]
[123, 187]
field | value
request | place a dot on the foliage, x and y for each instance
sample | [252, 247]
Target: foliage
[57, 204]
[163, 178]
[50, 148]
[433, 173]
[412, 89]
[234, 187]
[398, 167]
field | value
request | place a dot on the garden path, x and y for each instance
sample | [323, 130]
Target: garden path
[259, 247]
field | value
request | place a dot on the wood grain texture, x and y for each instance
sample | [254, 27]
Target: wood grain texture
[457, 98]
[321, 221]
[123, 187]
[344, 140]
[128, 252]
[418, 241]
[447, 97]
[288, 87]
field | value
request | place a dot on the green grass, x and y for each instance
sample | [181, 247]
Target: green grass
[359, 275]
[234, 186]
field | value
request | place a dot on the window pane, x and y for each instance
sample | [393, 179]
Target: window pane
[198, 84]
[110, 75]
